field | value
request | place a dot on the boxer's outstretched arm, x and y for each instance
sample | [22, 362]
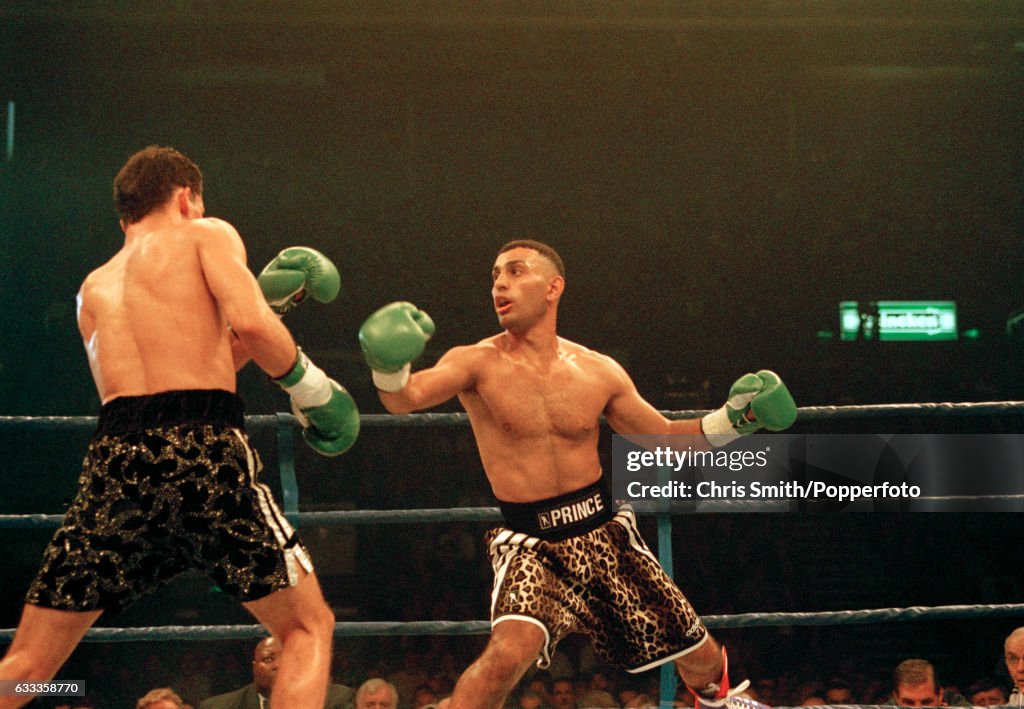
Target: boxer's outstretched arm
[755, 401]
[453, 373]
[391, 339]
[629, 413]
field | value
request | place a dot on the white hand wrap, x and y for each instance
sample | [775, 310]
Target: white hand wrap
[307, 384]
[392, 381]
[718, 428]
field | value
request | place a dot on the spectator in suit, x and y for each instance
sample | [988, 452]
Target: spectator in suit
[264, 673]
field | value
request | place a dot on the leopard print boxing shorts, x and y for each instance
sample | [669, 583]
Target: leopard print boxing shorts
[604, 583]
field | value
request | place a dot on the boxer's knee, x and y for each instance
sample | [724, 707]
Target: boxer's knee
[704, 660]
[703, 669]
[513, 647]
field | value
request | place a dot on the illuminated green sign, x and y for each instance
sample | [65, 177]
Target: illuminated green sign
[898, 320]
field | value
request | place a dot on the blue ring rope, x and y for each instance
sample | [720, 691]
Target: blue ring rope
[482, 627]
[804, 413]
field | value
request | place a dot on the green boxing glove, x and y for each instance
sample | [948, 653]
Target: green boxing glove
[328, 413]
[296, 272]
[391, 339]
[762, 394]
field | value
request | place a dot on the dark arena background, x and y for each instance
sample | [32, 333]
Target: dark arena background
[718, 176]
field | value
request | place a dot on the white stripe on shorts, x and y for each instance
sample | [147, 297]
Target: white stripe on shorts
[283, 531]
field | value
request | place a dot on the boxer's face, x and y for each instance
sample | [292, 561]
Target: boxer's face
[524, 285]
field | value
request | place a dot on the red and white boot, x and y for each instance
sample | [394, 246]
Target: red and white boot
[720, 694]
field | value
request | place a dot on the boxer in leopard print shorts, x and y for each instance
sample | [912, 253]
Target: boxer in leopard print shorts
[594, 576]
[564, 561]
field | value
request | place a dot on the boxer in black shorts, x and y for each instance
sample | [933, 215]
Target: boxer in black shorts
[158, 497]
[169, 481]
[535, 402]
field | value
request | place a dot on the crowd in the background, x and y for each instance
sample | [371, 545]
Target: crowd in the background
[443, 576]
[416, 673]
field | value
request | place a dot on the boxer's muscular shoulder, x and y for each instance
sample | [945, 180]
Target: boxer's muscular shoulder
[213, 224]
[591, 361]
[477, 356]
[212, 236]
[208, 229]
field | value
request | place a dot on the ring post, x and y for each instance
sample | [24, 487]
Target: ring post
[286, 467]
[668, 670]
